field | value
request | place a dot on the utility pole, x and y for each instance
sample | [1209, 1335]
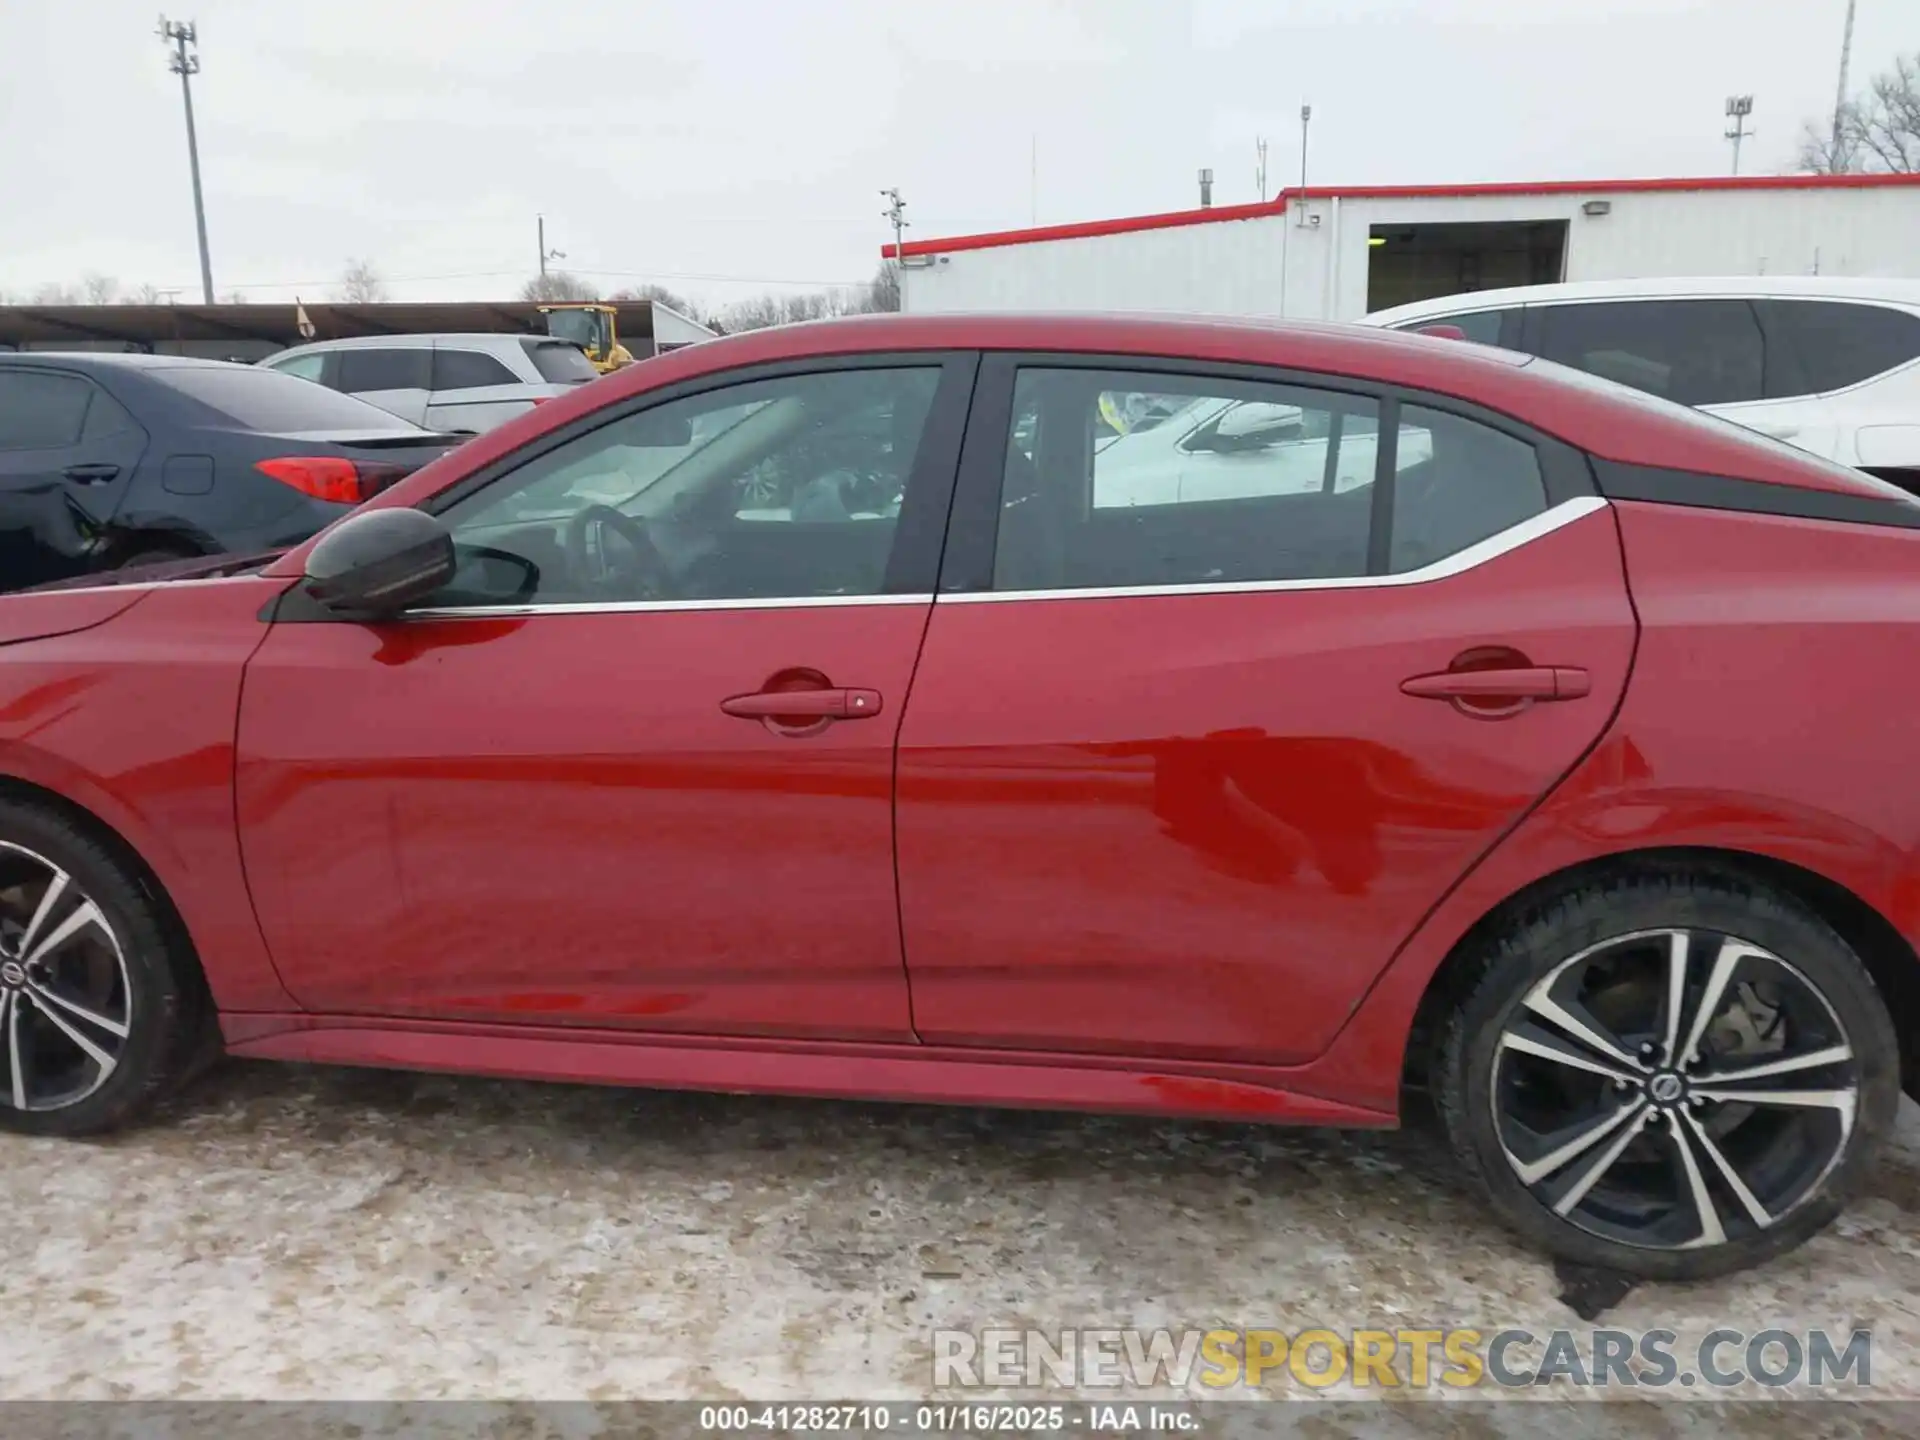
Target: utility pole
[1834, 156]
[545, 253]
[1260, 167]
[183, 40]
[1739, 107]
[896, 215]
[1306, 119]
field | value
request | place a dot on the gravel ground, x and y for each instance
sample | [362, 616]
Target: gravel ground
[297, 1232]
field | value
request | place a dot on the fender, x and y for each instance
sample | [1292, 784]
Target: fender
[133, 720]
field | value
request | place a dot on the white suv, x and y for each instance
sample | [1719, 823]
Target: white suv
[456, 384]
[1830, 365]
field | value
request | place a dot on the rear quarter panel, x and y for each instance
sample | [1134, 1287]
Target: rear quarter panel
[1772, 711]
[133, 720]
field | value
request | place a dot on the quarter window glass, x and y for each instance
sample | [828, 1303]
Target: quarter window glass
[1819, 345]
[787, 488]
[40, 411]
[1457, 482]
[105, 416]
[306, 367]
[362, 371]
[1696, 352]
[469, 370]
[1118, 479]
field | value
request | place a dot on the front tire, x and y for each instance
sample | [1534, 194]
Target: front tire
[96, 1021]
[1670, 1075]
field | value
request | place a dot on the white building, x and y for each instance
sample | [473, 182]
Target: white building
[1340, 253]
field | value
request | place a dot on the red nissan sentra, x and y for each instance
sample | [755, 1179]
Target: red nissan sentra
[1211, 719]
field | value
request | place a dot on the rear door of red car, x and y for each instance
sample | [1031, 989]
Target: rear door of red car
[624, 774]
[1211, 712]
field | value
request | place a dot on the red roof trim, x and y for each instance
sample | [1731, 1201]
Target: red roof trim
[1170, 219]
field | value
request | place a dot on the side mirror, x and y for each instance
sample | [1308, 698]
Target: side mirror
[375, 564]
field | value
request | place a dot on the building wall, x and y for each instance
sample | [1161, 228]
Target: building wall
[1310, 262]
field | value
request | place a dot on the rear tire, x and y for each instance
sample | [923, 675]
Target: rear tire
[101, 1012]
[1611, 1124]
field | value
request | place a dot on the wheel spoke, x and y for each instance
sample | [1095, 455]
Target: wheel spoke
[79, 1012]
[1533, 1171]
[1732, 952]
[10, 1007]
[85, 914]
[1711, 1231]
[1547, 1008]
[1832, 1055]
[56, 887]
[92, 1051]
[1591, 1177]
[1839, 1100]
[1755, 1210]
[1547, 1049]
[1676, 992]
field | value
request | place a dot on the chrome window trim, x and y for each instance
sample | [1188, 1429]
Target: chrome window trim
[1556, 517]
[641, 607]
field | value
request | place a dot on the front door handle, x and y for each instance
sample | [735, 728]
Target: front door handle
[804, 705]
[91, 474]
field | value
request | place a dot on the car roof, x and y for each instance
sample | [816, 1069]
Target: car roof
[1671, 287]
[118, 360]
[482, 338]
[1598, 416]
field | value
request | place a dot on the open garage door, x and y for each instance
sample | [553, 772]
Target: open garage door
[1422, 262]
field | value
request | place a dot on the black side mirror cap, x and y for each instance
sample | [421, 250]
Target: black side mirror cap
[375, 564]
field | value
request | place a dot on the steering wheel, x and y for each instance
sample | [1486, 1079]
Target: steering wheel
[592, 563]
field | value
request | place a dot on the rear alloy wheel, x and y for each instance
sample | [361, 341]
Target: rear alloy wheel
[92, 1021]
[1671, 1076]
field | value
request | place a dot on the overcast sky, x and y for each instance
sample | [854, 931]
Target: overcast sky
[728, 146]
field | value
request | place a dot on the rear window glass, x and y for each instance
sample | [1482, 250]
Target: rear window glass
[41, 411]
[560, 363]
[257, 399]
[1819, 345]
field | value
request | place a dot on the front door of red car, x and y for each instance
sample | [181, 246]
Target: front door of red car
[1230, 679]
[634, 767]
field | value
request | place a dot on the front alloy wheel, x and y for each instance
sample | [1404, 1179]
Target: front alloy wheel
[100, 1006]
[1672, 1077]
[66, 1004]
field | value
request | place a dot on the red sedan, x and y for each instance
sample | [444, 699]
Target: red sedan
[1258, 722]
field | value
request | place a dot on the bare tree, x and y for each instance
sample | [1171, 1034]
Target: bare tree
[54, 293]
[99, 289]
[558, 285]
[1878, 132]
[360, 284]
[148, 295]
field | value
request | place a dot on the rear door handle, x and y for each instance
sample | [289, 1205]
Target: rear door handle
[1532, 682]
[804, 704]
[91, 474]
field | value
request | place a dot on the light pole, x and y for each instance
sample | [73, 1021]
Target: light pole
[545, 253]
[183, 40]
[1739, 107]
[1306, 119]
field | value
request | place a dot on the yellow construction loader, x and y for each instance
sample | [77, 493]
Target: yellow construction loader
[592, 327]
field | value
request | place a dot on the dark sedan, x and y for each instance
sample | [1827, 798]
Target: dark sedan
[109, 461]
